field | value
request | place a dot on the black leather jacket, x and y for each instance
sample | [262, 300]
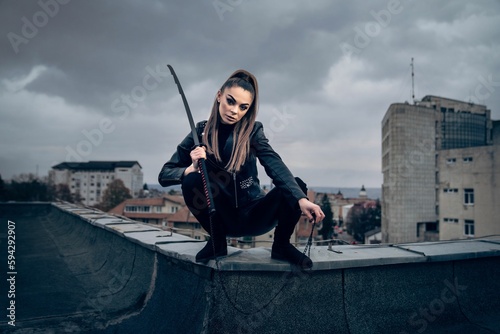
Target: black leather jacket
[243, 186]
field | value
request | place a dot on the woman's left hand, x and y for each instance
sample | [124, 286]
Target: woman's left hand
[311, 210]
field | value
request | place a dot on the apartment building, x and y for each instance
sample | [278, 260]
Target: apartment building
[416, 139]
[89, 180]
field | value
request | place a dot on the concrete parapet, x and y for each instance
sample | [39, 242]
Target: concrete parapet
[81, 270]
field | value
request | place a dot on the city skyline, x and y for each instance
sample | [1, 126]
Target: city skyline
[84, 81]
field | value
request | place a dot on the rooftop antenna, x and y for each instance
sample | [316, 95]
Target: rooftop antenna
[412, 82]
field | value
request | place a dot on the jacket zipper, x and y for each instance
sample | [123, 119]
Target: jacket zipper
[235, 190]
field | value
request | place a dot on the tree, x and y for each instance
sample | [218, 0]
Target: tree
[363, 217]
[328, 223]
[144, 192]
[115, 193]
[2, 189]
[62, 193]
[28, 187]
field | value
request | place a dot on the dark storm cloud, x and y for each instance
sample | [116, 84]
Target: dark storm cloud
[328, 70]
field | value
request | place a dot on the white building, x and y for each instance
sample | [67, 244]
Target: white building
[416, 139]
[89, 180]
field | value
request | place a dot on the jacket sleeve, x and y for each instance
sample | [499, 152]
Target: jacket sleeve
[172, 171]
[274, 166]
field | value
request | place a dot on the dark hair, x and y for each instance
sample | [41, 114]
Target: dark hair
[242, 129]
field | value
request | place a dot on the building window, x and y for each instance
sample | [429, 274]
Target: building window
[450, 190]
[469, 196]
[468, 159]
[463, 129]
[174, 209]
[158, 209]
[450, 220]
[134, 208]
[469, 228]
[451, 161]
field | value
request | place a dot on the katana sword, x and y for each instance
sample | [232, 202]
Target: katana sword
[201, 162]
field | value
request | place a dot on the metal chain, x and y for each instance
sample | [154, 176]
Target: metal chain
[309, 241]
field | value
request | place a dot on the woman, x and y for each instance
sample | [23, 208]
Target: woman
[232, 141]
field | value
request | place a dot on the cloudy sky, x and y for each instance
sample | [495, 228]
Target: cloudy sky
[86, 80]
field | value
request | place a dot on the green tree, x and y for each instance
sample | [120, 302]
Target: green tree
[363, 217]
[328, 223]
[115, 193]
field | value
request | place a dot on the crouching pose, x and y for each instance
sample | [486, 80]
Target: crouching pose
[232, 141]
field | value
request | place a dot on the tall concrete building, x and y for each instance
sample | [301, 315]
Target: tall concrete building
[415, 139]
[89, 180]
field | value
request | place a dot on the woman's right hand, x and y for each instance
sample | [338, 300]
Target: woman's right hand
[196, 154]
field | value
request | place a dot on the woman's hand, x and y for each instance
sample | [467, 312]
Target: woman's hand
[196, 154]
[311, 210]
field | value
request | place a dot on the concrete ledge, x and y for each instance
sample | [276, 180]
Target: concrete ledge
[81, 270]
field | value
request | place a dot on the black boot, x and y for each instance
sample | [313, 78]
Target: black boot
[216, 246]
[287, 252]
[283, 250]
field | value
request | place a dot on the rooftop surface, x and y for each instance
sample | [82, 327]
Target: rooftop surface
[82, 270]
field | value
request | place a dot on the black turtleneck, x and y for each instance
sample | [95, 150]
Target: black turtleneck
[224, 131]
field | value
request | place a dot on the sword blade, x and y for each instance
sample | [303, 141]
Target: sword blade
[186, 106]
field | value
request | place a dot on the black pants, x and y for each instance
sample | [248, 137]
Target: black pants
[257, 218]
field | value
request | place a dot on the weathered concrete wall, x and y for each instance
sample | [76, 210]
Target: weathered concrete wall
[80, 270]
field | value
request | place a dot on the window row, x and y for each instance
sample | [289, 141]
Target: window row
[146, 208]
[93, 177]
[137, 208]
[468, 225]
[451, 161]
[468, 194]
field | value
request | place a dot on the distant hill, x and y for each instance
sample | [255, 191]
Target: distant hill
[372, 193]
